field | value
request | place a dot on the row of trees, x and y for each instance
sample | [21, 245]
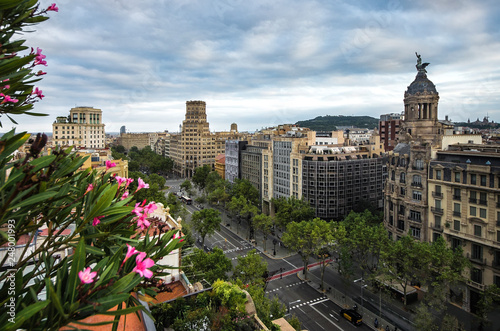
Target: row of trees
[144, 160]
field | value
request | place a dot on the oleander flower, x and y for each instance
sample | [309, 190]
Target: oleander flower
[86, 276]
[142, 265]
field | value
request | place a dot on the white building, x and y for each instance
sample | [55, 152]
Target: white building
[82, 128]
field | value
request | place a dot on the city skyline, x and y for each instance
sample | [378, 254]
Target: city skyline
[260, 64]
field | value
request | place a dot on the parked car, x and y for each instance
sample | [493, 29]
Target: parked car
[352, 316]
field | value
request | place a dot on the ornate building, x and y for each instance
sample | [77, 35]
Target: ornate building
[82, 128]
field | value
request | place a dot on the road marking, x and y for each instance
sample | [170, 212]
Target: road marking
[319, 325]
[335, 318]
[319, 302]
[290, 264]
[325, 317]
[227, 241]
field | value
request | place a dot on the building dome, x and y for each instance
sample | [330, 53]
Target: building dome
[421, 84]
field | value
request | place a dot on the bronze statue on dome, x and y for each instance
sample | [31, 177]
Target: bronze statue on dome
[421, 66]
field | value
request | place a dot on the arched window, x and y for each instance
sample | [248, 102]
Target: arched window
[402, 177]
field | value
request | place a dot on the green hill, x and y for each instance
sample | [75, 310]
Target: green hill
[330, 123]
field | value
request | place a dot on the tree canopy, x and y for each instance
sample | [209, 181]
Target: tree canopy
[205, 222]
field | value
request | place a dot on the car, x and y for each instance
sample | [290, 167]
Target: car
[352, 316]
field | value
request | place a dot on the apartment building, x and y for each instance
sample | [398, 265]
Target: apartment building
[83, 128]
[388, 127]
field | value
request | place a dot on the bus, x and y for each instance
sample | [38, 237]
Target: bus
[187, 200]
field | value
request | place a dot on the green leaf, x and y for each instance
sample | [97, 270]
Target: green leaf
[93, 250]
[35, 199]
[125, 284]
[27, 312]
[77, 266]
[54, 298]
[123, 311]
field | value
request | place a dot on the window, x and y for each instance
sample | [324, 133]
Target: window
[437, 221]
[401, 225]
[477, 252]
[402, 177]
[456, 209]
[417, 180]
[437, 204]
[483, 198]
[438, 174]
[455, 243]
[417, 195]
[476, 275]
[456, 225]
[472, 211]
[456, 193]
[496, 280]
[483, 180]
[478, 230]
[438, 189]
[457, 177]
[473, 197]
[482, 212]
[415, 232]
[419, 164]
[415, 216]
[473, 179]
[498, 236]
[402, 191]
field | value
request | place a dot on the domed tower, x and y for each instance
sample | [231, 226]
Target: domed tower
[421, 109]
[234, 127]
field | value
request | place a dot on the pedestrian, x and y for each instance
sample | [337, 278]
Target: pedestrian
[387, 328]
[375, 323]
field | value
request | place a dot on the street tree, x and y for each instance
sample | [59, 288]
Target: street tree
[200, 176]
[365, 240]
[243, 188]
[305, 237]
[187, 187]
[245, 210]
[292, 210]
[206, 222]
[265, 224]
[251, 269]
[405, 261]
[208, 266]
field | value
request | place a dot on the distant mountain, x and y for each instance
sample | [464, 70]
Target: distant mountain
[330, 123]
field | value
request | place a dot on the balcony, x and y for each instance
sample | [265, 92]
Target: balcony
[457, 214]
[457, 197]
[437, 210]
[483, 202]
[437, 227]
[472, 200]
[475, 285]
[437, 194]
[416, 184]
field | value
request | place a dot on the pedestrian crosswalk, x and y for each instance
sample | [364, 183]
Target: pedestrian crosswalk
[310, 302]
[282, 287]
[239, 249]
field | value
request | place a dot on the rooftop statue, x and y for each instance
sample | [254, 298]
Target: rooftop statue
[421, 66]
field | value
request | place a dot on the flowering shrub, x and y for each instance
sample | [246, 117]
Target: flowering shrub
[85, 265]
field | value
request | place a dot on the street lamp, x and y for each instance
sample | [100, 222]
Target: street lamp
[362, 286]
[291, 303]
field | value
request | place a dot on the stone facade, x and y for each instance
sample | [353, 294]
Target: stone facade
[83, 128]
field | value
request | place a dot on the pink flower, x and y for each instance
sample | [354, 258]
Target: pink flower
[6, 98]
[39, 58]
[89, 188]
[138, 209]
[38, 93]
[120, 180]
[151, 207]
[142, 184]
[6, 87]
[109, 165]
[87, 277]
[129, 180]
[142, 221]
[124, 196]
[53, 7]
[97, 220]
[142, 265]
[130, 252]
[40, 73]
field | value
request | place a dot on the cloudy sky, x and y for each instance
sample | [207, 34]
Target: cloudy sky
[260, 63]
